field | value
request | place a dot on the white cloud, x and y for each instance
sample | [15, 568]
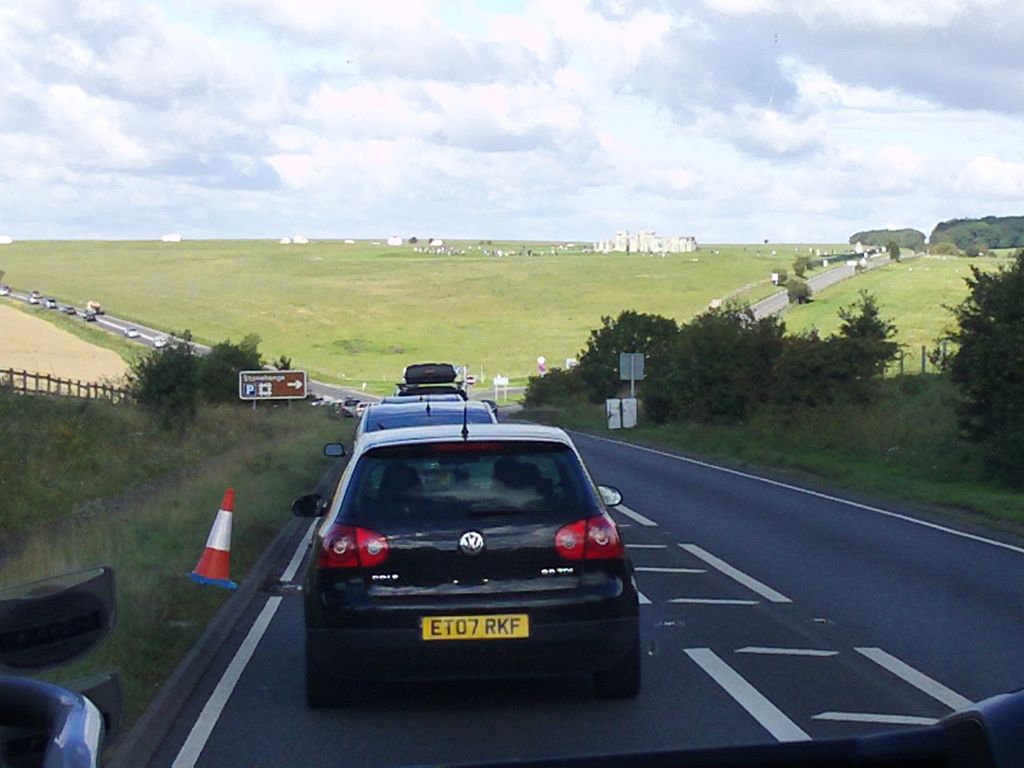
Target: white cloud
[989, 176]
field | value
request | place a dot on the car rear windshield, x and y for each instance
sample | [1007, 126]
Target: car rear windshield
[383, 420]
[467, 480]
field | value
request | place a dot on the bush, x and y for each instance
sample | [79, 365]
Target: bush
[165, 383]
[629, 332]
[868, 336]
[799, 292]
[217, 377]
[558, 387]
[945, 248]
[988, 368]
[800, 266]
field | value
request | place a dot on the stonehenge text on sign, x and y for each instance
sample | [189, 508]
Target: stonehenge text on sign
[271, 385]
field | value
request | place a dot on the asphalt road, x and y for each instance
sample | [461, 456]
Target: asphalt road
[770, 613]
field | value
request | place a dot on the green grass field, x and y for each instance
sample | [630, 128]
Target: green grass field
[361, 312]
[912, 294]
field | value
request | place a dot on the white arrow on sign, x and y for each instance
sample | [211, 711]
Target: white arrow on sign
[294, 384]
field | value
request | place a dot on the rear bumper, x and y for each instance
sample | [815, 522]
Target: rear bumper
[401, 654]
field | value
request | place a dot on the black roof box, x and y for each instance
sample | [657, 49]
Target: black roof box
[430, 373]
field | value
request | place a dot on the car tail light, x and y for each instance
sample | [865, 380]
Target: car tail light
[348, 546]
[595, 538]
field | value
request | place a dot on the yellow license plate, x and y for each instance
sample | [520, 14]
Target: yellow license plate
[489, 627]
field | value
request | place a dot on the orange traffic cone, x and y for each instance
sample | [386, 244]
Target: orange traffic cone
[213, 566]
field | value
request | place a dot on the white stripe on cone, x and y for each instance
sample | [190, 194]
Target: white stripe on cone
[220, 533]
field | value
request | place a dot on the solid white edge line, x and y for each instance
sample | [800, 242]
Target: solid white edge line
[189, 753]
[659, 569]
[635, 516]
[711, 601]
[816, 494]
[647, 546]
[757, 705]
[868, 717]
[917, 679]
[642, 598]
[736, 574]
[764, 651]
[300, 551]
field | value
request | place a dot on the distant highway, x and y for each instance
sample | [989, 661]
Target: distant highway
[148, 335]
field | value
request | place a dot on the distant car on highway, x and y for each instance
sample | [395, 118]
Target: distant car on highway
[347, 407]
[69, 310]
[89, 316]
[160, 342]
[132, 333]
[49, 303]
[452, 556]
[34, 297]
[5, 290]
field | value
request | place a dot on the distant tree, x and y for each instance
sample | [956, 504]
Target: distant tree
[972, 251]
[868, 334]
[988, 367]
[799, 292]
[879, 238]
[783, 276]
[894, 250]
[945, 248]
[800, 266]
[283, 363]
[413, 240]
[164, 383]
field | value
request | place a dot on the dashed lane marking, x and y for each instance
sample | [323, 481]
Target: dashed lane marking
[636, 516]
[764, 651]
[736, 574]
[646, 546]
[711, 601]
[659, 569]
[757, 705]
[868, 717]
[207, 720]
[642, 598]
[916, 678]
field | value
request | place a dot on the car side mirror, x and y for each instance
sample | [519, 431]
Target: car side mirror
[311, 505]
[612, 497]
[334, 450]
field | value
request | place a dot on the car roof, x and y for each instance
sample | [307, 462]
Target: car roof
[415, 405]
[446, 432]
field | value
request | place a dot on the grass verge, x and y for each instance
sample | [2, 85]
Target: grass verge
[903, 446]
[154, 539]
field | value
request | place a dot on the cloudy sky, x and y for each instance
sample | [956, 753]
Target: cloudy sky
[732, 120]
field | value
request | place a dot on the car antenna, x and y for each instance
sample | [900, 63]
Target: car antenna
[428, 409]
[465, 422]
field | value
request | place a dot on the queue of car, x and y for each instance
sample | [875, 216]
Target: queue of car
[456, 547]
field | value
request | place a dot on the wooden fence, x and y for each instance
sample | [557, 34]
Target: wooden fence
[28, 383]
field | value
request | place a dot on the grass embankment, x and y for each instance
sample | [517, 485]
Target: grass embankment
[914, 294]
[71, 477]
[360, 312]
[904, 446]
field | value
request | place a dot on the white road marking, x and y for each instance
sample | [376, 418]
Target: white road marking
[816, 494]
[642, 598]
[712, 601]
[300, 551]
[658, 569]
[768, 716]
[734, 573]
[207, 720]
[635, 516]
[868, 717]
[646, 546]
[919, 680]
[761, 650]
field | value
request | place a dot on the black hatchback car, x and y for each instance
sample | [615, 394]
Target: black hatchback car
[452, 556]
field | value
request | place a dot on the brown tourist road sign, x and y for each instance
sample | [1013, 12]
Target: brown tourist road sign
[271, 385]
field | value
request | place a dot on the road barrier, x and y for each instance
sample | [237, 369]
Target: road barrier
[28, 383]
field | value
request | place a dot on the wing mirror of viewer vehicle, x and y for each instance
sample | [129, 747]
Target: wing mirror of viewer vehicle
[334, 450]
[612, 497]
[310, 505]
